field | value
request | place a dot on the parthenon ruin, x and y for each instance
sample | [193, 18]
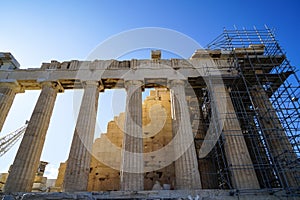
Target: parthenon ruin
[227, 118]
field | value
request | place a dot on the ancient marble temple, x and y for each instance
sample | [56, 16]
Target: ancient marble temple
[227, 118]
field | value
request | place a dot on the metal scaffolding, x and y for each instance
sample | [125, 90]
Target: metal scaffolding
[265, 96]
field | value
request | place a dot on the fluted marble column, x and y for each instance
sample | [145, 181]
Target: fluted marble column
[238, 158]
[280, 147]
[186, 166]
[132, 177]
[8, 92]
[26, 162]
[78, 163]
[207, 167]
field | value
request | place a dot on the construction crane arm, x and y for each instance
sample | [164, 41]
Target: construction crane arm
[8, 141]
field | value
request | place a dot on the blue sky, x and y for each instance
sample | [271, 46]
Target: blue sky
[41, 31]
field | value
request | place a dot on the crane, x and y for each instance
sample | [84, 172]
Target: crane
[7, 141]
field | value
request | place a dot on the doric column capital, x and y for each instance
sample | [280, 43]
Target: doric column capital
[90, 83]
[135, 83]
[12, 84]
[257, 88]
[53, 84]
[175, 82]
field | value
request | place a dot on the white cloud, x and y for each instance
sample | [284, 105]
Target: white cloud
[51, 171]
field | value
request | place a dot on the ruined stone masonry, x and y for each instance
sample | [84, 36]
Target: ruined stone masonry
[108, 147]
